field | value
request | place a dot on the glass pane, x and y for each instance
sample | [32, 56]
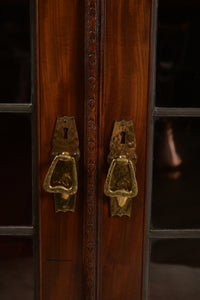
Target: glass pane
[15, 174]
[16, 269]
[176, 167]
[178, 54]
[175, 270]
[14, 51]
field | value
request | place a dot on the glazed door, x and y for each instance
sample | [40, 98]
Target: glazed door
[91, 93]
[93, 64]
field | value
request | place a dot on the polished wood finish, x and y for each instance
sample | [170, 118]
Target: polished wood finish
[125, 96]
[60, 92]
[87, 254]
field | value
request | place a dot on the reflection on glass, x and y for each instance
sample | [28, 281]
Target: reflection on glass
[15, 172]
[178, 59]
[175, 270]
[14, 51]
[176, 192]
[16, 269]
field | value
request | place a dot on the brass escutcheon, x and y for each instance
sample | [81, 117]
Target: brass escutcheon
[62, 176]
[121, 184]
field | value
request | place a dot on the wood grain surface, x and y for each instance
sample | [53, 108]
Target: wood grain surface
[125, 96]
[60, 92]
[112, 248]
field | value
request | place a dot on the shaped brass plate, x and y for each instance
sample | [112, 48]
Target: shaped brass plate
[121, 185]
[62, 176]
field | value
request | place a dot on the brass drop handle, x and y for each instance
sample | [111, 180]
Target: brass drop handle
[61, 188]
[62, 176]
[121, 184]
[121, 160]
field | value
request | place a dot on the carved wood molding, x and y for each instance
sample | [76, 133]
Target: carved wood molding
[91, 151]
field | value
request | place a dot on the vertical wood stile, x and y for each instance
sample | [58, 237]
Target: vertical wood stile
[91, 148]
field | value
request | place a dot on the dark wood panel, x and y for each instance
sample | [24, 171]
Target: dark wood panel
[61, 285]
[60, 92]
[125, 96]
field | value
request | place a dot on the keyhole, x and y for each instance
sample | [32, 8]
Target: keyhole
[123, 135]
[65, 133]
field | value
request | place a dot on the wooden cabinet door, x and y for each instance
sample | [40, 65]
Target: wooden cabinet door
[93, 64]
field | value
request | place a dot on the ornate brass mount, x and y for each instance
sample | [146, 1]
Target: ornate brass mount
[62, 176]
[121, 185]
